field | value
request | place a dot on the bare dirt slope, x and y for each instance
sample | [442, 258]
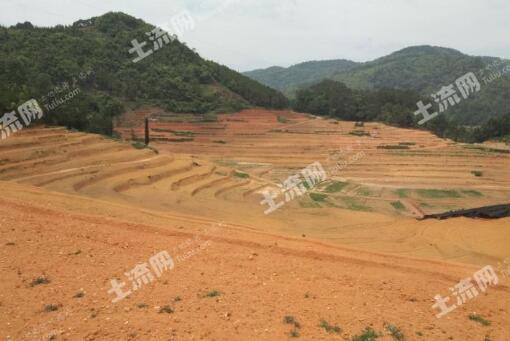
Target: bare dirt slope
[79, 210]
[201, 177]
[79, 244]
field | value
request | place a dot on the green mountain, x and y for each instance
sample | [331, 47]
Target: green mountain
[35, 62]
[289, 80]
[426, 69]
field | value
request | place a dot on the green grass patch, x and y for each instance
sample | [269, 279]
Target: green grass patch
[359, 133]
[402, 193]
[365, 192]
[182, 139]
[353, 204]
[309, 204]
[438, 194]
[227, 163]
[478, 318]
[335, 187]
[393, 146]
[472, 193]
[398, 205]
[210, 117]
[241, 175]
[489, 150]
[183, 133]
[407, 143]
[282, 119]
[138, 145]
[319, 197]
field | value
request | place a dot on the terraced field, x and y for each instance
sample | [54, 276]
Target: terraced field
[379, 178]
[382, 167]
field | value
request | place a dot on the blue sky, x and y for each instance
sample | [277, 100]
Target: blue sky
[249, 34]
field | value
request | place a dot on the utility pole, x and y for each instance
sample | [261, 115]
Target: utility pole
[146, 131]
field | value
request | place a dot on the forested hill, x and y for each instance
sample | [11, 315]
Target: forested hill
[425, 69]
[35, 62]
[289, 80]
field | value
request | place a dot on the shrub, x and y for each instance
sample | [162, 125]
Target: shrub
[395, 332]
[166, 309]
[368, 334]
[478, 318]
[51, 307]
[39, 281]
[330, 328]
[398, 205]
[213, 293]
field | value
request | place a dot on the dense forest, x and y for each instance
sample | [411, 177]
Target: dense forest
[391, 106]
[424, 69]
[289, 80]
[93, 56]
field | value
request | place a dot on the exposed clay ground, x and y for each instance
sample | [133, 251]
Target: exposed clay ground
[80, 244]
[82, 210]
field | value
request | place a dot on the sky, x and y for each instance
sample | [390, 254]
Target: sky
[252, 34]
